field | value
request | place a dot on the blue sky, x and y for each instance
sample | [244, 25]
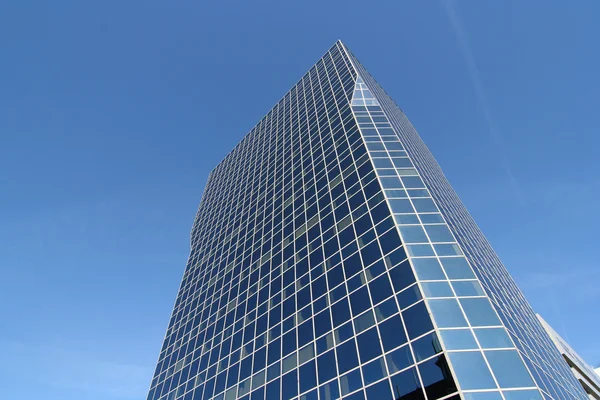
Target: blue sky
[113, 113]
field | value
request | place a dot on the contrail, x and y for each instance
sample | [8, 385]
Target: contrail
[463, 43]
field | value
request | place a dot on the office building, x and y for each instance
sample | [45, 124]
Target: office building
[582, 371]
[330, 258]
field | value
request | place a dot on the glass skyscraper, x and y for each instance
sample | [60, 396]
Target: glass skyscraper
[330, 258]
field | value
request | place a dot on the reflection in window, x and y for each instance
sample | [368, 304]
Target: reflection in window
[374, 371]
[437, 378]
[350, 382]
[509, 368]
[471, 370]
[480, 312]
[399, 359]
[458, 339]
[493, 338]
[426, 346]
[406, 386]
[417, 320]
[447, 313]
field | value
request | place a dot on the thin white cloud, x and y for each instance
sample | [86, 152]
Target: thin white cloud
[74, 372]
[463, 44]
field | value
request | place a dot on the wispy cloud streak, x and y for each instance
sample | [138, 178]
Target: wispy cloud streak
[463, 44]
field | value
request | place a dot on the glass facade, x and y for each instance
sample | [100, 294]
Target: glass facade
[330, 258]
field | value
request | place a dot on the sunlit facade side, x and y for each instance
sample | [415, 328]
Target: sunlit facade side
[329, 259]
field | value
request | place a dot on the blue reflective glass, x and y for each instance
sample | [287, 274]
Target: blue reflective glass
[426, 346]
[420, 250]
[483, 396]
[447, 250]
[428, 269]
[346, 356]
[355, 396]
[437, 378]
[273, 391]
[379, 391]
[406, 383]
[289, 385]
[480, 312]
[368, 345]
[493, 338]
[399, 359]
[417, 321]
[439, 233]
[424, 205]
[457, 268]
[360, 300]
[392, 333]
[458, 339]
[374, 371]
[447, 313]
[326, 366]
[402, 276]
[329, 391]
[308, 376]
[522, 395]
[409, 296]
[413, 233]
[471, 371]
[312, 395]
[380, 288]
[325, 343]
[257, 394]
[509, 368]
[364, 322]
[437, 289]
[350, 382]
[468, 288]
[386, 309]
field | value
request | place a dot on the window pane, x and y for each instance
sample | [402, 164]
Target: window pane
[329, 391]
[428, 269]
[458, 339]
[399, 359]
[289, 385]
[417, 320]
[437, 378]
[368, 345]
[522, 395]
[327, 368]
[374, 371]
[308, 376]
[350, 382]
[413, 234]
[468, 288]
[509, 368]
[426, 346]
[483, 396]
[493, 338]
[439, 233]
[480, 312]
[392, 333]
[379, 391]
[447, 313]
[424, 205]
[471, 371]
[437, 289]
[346, 355]
[457, 268]
[409, 296]
[404, 383]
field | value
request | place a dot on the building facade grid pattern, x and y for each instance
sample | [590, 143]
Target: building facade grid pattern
[297, 277]
[302, 282]
[549, 370]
